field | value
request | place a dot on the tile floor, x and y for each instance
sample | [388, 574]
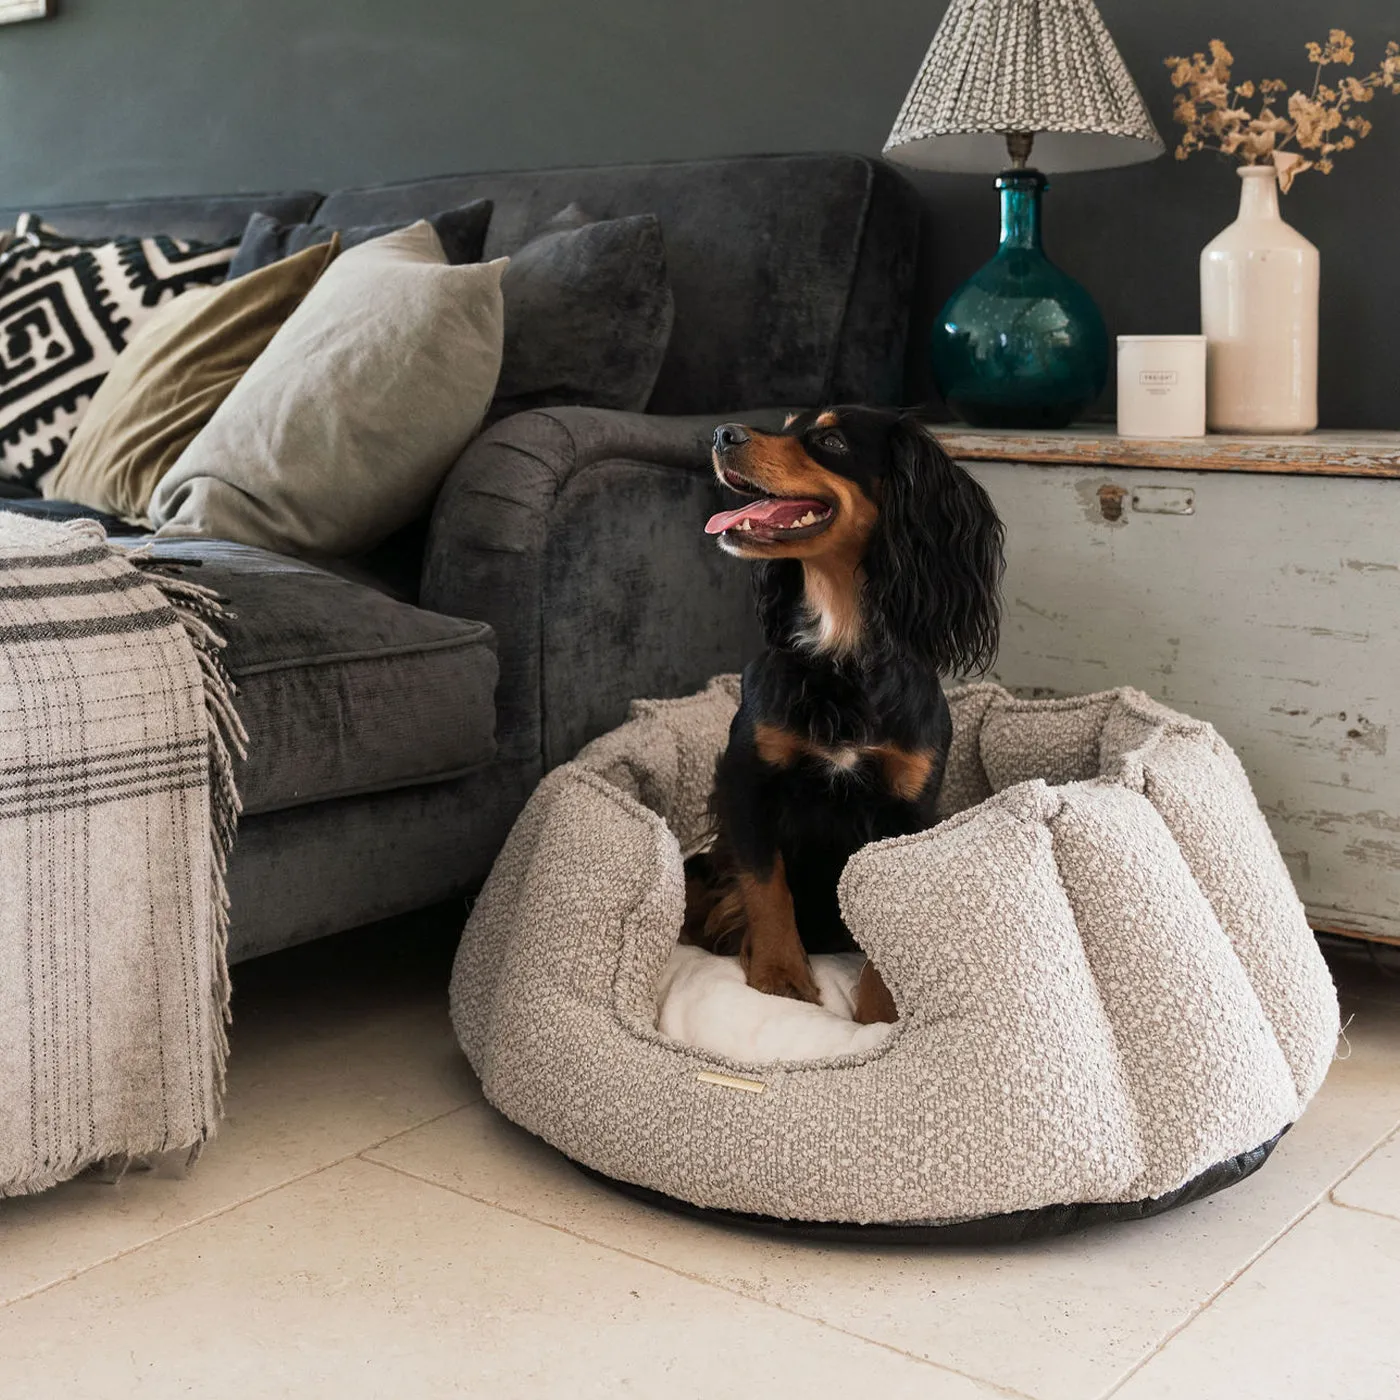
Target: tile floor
[366, 1226]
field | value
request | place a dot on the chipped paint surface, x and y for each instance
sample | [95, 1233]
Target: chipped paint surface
[1273, 612]
[1324, 454]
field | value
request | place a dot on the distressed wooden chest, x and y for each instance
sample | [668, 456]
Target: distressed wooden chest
[1253, 582]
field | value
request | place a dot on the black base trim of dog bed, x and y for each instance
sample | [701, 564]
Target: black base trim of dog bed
[1012, 1228]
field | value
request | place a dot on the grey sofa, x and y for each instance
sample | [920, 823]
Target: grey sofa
[402, 707]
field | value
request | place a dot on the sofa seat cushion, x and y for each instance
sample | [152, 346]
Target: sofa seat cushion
[23, 500]
[343, 690]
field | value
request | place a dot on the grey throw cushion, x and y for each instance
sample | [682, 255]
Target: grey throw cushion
[342, 429]
[588, 315]
[461, 231]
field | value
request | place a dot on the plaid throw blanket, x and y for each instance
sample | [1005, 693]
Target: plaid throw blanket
[117, 812]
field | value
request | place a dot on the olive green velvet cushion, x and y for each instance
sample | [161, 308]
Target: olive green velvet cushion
[168, 382]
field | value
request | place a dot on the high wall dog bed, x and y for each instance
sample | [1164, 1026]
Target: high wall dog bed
[1110, 1001]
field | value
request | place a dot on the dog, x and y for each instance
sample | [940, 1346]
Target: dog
[878, 565]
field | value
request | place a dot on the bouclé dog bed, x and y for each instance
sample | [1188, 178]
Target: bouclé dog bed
[1109, 998]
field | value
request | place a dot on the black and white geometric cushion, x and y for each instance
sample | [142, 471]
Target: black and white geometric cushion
[67, 309]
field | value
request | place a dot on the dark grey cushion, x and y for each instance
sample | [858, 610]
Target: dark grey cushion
[195, 216]
[588, 315]
[343, 690]
[792, 275]
[461, 231]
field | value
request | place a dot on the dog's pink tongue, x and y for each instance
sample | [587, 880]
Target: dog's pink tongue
[775, 513]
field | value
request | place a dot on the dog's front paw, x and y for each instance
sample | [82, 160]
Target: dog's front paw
[791, 979]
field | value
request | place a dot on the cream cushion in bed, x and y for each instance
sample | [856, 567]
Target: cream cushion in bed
[703, 1000]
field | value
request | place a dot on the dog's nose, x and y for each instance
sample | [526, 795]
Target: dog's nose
[729, 435]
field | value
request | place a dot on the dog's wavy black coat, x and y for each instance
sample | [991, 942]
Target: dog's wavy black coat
[878, 569]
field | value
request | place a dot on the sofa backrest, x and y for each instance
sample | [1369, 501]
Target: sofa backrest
[209, 217]
[792, 275]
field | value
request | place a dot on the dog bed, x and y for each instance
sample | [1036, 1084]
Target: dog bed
[1110, 1001]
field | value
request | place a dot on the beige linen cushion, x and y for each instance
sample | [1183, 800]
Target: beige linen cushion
[344, 427]
[170, 380]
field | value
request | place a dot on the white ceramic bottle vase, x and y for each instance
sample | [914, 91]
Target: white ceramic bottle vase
[1259, 281]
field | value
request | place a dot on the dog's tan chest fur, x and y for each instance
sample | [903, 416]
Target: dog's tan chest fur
[833, 605]
[905, 771]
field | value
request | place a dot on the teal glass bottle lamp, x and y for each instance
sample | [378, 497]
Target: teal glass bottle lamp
[1021, 344]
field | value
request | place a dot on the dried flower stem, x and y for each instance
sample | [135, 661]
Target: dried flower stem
[1213, 111]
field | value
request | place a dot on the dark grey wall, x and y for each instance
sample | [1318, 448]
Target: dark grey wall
[134, 97]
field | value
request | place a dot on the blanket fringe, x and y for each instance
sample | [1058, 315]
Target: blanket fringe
[202, 613]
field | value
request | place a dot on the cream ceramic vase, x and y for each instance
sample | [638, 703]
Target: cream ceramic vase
[1259, 281]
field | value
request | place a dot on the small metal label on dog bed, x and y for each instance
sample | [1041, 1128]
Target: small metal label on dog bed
[731, 1081]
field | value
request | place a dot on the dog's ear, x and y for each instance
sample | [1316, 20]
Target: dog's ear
[934, 563]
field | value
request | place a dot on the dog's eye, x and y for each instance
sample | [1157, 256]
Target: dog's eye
[832, 441]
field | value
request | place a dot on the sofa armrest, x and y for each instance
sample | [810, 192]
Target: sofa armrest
[578, 534]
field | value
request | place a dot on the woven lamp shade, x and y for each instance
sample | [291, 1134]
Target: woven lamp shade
[1043, 66]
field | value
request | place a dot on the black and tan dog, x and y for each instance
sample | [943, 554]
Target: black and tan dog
[879, 568]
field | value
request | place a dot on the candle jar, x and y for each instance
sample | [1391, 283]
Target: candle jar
[1161, 386]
